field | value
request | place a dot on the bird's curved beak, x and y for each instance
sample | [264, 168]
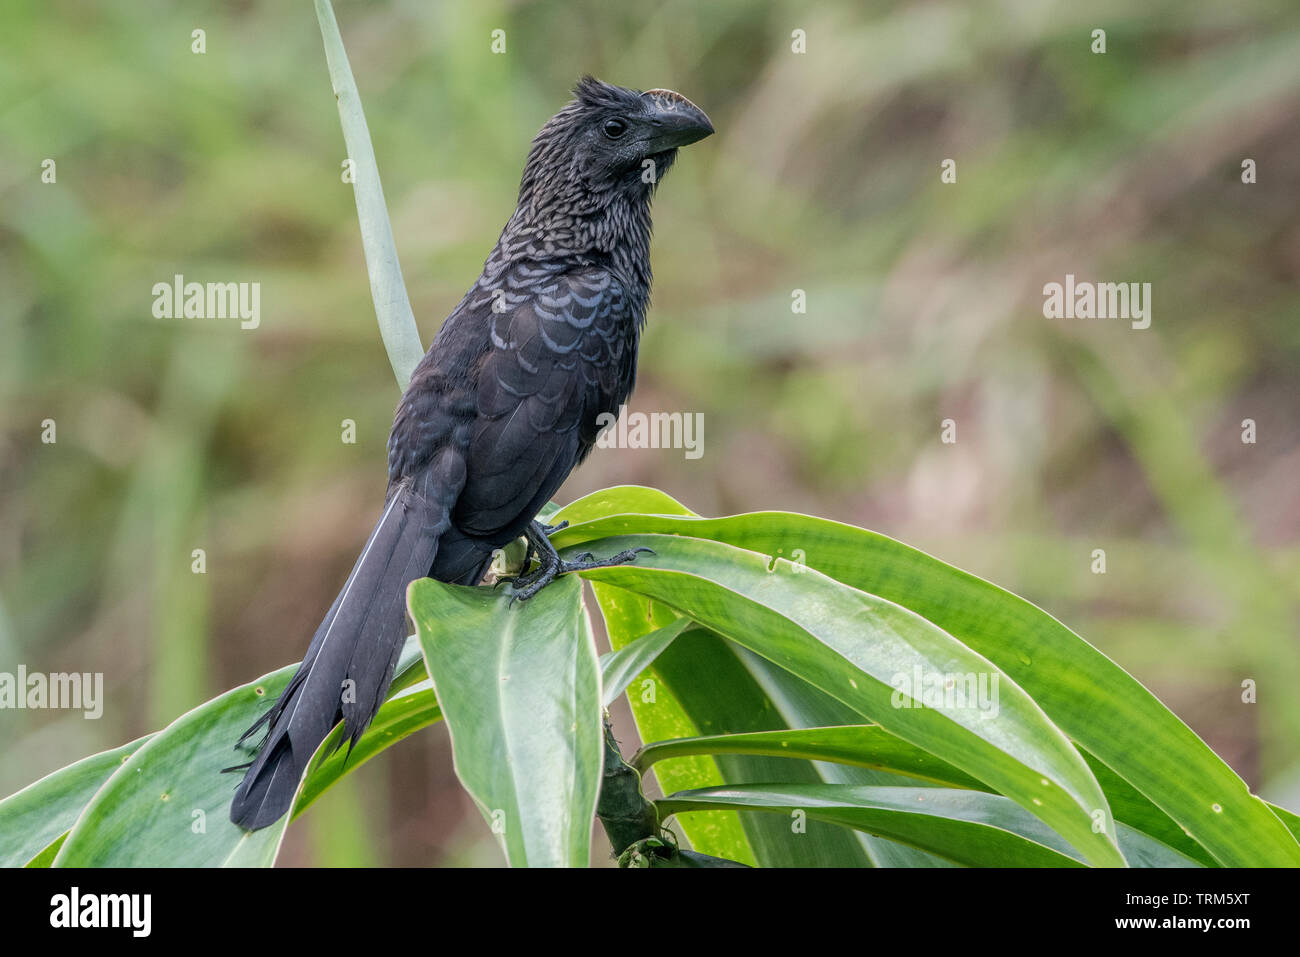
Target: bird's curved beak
[674, 120]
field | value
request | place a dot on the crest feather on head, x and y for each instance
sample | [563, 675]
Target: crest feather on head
[598, 94]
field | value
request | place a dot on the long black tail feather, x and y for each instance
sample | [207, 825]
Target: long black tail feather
[349, 664]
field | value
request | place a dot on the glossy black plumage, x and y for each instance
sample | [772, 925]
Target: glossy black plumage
[500, 410]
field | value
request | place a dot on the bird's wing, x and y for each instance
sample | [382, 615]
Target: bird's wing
[562, 352]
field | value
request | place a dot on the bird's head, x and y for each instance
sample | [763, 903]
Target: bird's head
[608, 143]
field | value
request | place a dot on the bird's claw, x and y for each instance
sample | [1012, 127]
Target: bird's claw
[552, 567]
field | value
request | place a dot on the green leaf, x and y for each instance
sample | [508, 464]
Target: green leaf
[39, 814]
[1143, 850]
[804, 707]
[46, 857]
[719, 695]
[663, 715]
[168, 804]
[619, 501]
[619, 668]
[1134, 809]
[852, 645]
[1288, 818]
[967, 827]
[519, 687]
[392, 306]
[870, 746]
[863, 745]
[405, 712]
[800, 705]
[1087, 695]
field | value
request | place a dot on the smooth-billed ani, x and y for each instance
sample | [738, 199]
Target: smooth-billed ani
[501, 409]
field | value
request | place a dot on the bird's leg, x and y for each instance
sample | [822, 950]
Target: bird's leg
[532, 552]
[550, 566]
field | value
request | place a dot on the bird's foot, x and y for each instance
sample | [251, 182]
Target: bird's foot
[545, 531]
[550, 566]
[526, 586]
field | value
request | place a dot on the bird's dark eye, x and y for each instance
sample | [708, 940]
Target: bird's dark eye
[615, 128]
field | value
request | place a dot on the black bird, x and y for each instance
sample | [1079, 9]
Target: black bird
[501, 409]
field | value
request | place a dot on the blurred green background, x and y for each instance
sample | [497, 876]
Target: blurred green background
[924, 302]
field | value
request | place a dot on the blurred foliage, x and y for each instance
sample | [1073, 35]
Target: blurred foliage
[924, 303]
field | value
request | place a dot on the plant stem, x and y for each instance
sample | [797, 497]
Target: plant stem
[622, 809]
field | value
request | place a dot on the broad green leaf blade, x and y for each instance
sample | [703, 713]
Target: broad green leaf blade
[168, 804]
[1288, 818]
[39, 814]
[863, 745]
[968, 827]
[519, 687]
[392, 306]
[1087, 695]
[658, 713]
[853, 646]
[687, 700]
[803, 706]
[620, 500]
[1143, 850]
[870, 746]
[1133, 808]
[720, 697]
[619, 668]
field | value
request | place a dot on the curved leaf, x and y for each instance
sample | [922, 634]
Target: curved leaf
[519, 687]
[404, 713]
[1086, 694]
[717, 693]
[852, 645]
[659, 713]
[392, 305]
[1142, 828]
[38, 815]
[966, 827]
[863, 745]
[1134, 809]
[969, 827]
[168, 804]
[1143, 850]
[620, 668]
[627, 502]
[803, 706]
